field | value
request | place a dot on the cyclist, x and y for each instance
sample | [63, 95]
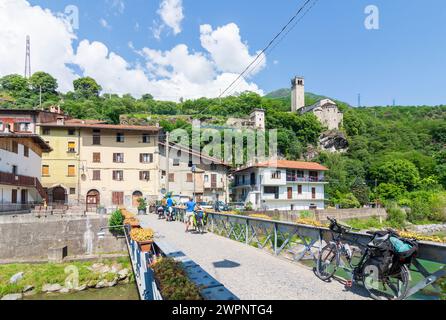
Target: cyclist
[169, 205]
[190, 208]
[199, 219]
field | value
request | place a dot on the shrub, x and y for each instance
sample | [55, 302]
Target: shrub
[173, 281]
[348, 201]
[396, 217]
[305, 214]
[142, 204]
[115, 223]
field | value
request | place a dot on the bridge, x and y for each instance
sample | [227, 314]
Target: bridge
[255, 259]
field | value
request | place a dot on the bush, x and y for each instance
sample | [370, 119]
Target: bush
[348, 201]
[306, 214]
[115, 222]
[396, 217]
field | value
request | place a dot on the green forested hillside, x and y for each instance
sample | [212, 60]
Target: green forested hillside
[396, 154]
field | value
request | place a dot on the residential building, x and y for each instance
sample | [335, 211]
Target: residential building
[207, 181]
[20, 165]
[256, 120]
[96, 164]
[325, 110]
[281, 185]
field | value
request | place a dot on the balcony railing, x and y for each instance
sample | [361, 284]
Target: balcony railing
[304, 179]
[22, 181]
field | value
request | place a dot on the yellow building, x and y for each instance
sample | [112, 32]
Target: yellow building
[96, 164]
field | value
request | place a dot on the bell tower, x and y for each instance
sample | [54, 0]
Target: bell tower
[297, 94]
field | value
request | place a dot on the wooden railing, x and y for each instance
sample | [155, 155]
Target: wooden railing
[22, 181]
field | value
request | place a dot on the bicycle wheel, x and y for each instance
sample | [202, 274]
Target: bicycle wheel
[327, 262]
[391, 287]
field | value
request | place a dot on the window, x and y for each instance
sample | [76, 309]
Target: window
[71, 171]
[145, 138]
[190, 177]
[118, 157]
[120, 137]
[276, 174]
[96, 137]
[15, 147]
[71, 132]
[96, 175]
[96, 157]
[118, 175]
[313, 193]
[22, 127]
[144, 175]
[46, 131]
[190, 164]
[176, 162]
[146, 158]
[299, 173]
[45, 170]
[270, 190]
[171, 177]
[14, 170]
[163, 172]
[299, 189]
[72, 190]
[26, 151]
[118, 198]
[71, 147]
[206, 178]
[1, 126]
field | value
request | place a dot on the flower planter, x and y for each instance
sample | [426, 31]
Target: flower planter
[145, 246]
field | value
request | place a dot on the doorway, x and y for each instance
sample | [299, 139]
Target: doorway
[93, 200]
[135, 197]
[59, 195]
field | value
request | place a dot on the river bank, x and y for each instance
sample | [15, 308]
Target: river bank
[23, 281]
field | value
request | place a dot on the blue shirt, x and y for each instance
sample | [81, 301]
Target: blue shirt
[190, 206]
[170, 202]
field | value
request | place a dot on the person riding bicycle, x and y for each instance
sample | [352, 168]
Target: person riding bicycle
[190, 208]
[199, 218]
[169, 205]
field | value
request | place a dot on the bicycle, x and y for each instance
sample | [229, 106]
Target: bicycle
[199, 221]
[382, 278]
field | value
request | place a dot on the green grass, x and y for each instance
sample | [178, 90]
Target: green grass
[39, 274]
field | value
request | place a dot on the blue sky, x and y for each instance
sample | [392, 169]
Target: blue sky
[404, 60]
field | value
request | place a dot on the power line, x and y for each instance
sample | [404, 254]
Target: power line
[267, 47]
[280, 40]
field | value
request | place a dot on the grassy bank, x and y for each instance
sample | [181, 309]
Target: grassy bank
[37, 275]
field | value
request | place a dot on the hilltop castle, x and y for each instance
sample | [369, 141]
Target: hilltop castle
[325, 110]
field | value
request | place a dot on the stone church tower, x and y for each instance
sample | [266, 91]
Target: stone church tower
[297, 94]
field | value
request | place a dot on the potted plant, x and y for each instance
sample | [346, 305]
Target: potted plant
[132, 222]
[142, 206]
[144, 238]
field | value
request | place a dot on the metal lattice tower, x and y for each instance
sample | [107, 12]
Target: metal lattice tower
[28, 58]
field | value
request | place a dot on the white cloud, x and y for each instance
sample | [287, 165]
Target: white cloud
[227, 50]
[51, 41]
[117, 5]
[105, 24]
[171, 13]
[167, 75]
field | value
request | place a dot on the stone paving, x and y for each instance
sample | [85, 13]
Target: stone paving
[251, 274]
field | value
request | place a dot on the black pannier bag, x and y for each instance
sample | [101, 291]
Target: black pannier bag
[381, 252]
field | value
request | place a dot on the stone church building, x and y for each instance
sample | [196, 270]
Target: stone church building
[325, 110]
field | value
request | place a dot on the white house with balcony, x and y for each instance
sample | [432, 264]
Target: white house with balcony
[281, 185]
[20, 170]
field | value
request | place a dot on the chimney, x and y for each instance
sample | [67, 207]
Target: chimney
[60, 121]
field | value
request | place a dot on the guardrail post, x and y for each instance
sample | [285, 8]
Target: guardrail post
[275, 238]
[247, 231]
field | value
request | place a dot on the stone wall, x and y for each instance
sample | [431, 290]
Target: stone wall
[321, 215]
[26, 238]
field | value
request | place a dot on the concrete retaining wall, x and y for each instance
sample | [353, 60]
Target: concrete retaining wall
[25, 238]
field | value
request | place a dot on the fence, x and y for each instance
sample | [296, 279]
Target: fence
[296, 242]
[321, 215]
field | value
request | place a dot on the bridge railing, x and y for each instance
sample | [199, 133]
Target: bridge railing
[296, 241]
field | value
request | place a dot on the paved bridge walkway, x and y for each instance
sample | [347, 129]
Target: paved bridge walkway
[251, 274]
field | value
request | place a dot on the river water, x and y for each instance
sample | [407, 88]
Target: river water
[120, 292]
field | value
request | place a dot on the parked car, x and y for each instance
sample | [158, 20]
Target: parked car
[205, 205]
[221, 206]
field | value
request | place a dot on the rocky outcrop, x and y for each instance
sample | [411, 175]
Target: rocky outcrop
[333, 141]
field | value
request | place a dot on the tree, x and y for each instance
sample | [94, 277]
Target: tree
[399, 172]
[45, 81]
[388, 191]
[361, 191]
[86, 87]
[14, 84]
